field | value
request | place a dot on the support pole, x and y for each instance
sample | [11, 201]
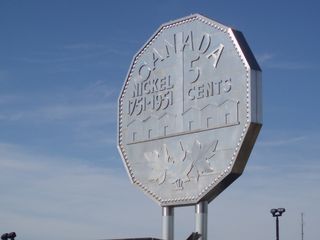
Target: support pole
[302, 233]
[167, 223]
[201, 214]
[277, 228]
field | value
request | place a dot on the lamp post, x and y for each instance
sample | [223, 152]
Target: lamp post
[277, 213]
[7, 236]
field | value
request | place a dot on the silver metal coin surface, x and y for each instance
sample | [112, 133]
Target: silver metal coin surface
[189, 111]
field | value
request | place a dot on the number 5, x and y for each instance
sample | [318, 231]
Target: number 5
[195, 69]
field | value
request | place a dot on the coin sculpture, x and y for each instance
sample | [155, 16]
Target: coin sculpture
[189, 111]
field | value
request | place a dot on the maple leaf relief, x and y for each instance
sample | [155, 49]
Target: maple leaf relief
[200, 156]
[159, 163]
[176, 168]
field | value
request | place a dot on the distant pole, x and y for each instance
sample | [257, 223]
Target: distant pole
[277, 213]
[277, 228]
[201, 213]
[302, 233]
[167, 223]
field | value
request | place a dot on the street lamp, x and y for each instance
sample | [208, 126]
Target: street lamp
[277, 213]
[7, 236]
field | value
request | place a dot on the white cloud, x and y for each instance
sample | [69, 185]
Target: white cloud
[80, 111]
[84, 114]
[53, 198]
[62, 112]
[262, 58]
[95, 101]
[291, 65]
[8, 99]
[74, 53]
[269, 60]
[284, 141]
[85, 46]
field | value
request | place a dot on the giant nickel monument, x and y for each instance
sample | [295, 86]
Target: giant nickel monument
[189, 111]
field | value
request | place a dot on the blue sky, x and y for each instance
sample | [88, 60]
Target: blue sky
[62, 65]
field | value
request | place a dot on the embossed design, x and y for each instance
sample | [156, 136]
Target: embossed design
[215, 55]
[201, 156]
[194, 120]
[160, 162]
[176, 168]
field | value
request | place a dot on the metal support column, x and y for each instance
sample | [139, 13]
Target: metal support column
[302, 223]
[201, 214]
[277, 229]
[167, 223]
